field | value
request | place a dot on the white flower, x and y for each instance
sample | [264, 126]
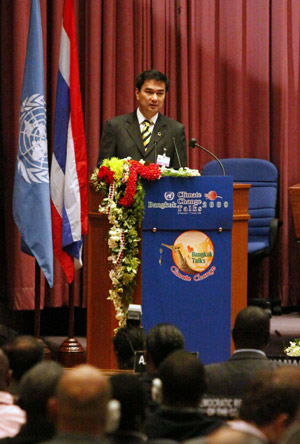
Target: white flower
[293, 349]
[112, 243]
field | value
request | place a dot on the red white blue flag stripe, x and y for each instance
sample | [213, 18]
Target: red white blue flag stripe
[69, 164]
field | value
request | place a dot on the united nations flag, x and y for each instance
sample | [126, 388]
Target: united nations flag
[31, 197]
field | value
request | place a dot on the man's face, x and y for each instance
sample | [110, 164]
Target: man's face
[151, 97]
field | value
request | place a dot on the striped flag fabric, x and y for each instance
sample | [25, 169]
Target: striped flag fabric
[31, 195]
[68, 179]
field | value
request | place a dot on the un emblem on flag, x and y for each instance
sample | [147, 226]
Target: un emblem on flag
[33, 152]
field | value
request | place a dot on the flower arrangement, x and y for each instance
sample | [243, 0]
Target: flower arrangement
[120, 182]
[294, 348]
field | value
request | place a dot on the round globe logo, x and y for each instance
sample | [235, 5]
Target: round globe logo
[193, 252]
[33, 154]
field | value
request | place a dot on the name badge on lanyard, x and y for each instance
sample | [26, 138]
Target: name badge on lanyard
[163, 159]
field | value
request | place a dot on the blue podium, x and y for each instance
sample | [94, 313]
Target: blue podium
[197, 309]
[186, 261]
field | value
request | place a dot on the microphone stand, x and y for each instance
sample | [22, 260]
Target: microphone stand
[176, 151]
[193, 143]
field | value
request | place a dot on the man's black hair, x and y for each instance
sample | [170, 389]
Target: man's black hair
[151, 74]
[23, 353]
[251, 328]
[183, 379]
[129, 390]
[37, 386]
[162, 340]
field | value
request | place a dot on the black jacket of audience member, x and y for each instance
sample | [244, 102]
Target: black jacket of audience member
[179, 424]
[183, 384]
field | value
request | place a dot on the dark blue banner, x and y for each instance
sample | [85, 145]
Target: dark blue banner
[186, 261]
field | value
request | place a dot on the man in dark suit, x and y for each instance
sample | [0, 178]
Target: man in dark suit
[145, 133]
[226, 381]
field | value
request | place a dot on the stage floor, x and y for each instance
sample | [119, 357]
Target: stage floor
[287, 327]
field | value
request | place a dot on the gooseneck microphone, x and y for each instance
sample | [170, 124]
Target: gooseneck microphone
[193, 143]
[177, 154]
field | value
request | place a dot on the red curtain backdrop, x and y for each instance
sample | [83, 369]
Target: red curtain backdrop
[234, 73]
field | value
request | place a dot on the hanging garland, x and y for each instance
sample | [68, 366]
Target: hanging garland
[120, 182]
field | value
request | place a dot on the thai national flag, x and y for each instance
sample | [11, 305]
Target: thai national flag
[69, 165]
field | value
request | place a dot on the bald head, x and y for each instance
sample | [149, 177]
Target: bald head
[251, 328]
[226, 435]
[81, 403]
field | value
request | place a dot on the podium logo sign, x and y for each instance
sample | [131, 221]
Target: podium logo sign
[190, 203]
[192, 254]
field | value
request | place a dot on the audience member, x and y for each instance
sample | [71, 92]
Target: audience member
[161, 340]
[126, 341]
[183, 384]
[37, 386]
[80, 406]
[23, 353]
[292, 434]
[12, 417]
[6, 334]
[226, 435]
[226, 381]
[270, 404]
[130, 392]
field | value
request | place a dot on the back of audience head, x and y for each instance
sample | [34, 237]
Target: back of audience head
[226, 435]
[37, 386]
[4, 372]
[292, 435]
[126, 341]
[271, 400]
[23, 353]
[162, 340]
[183, 380]
[251, 328]
[129, 390]
[80, 404]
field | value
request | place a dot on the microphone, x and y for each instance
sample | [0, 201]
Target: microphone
[193, 143]
[279, 335]
[177, 154]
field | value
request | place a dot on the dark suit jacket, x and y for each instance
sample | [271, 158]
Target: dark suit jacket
[230, 378]
[226, 382]
[122, 138]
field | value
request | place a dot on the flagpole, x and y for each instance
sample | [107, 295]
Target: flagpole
[37, 301]
[69, 174]
[71, 351]
[37, 310]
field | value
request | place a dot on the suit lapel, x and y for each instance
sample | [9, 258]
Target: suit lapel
[134, 132]
[158, 134]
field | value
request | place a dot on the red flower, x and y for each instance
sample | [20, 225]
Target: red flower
[150, 172]
[127, 200]
[106, 174]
